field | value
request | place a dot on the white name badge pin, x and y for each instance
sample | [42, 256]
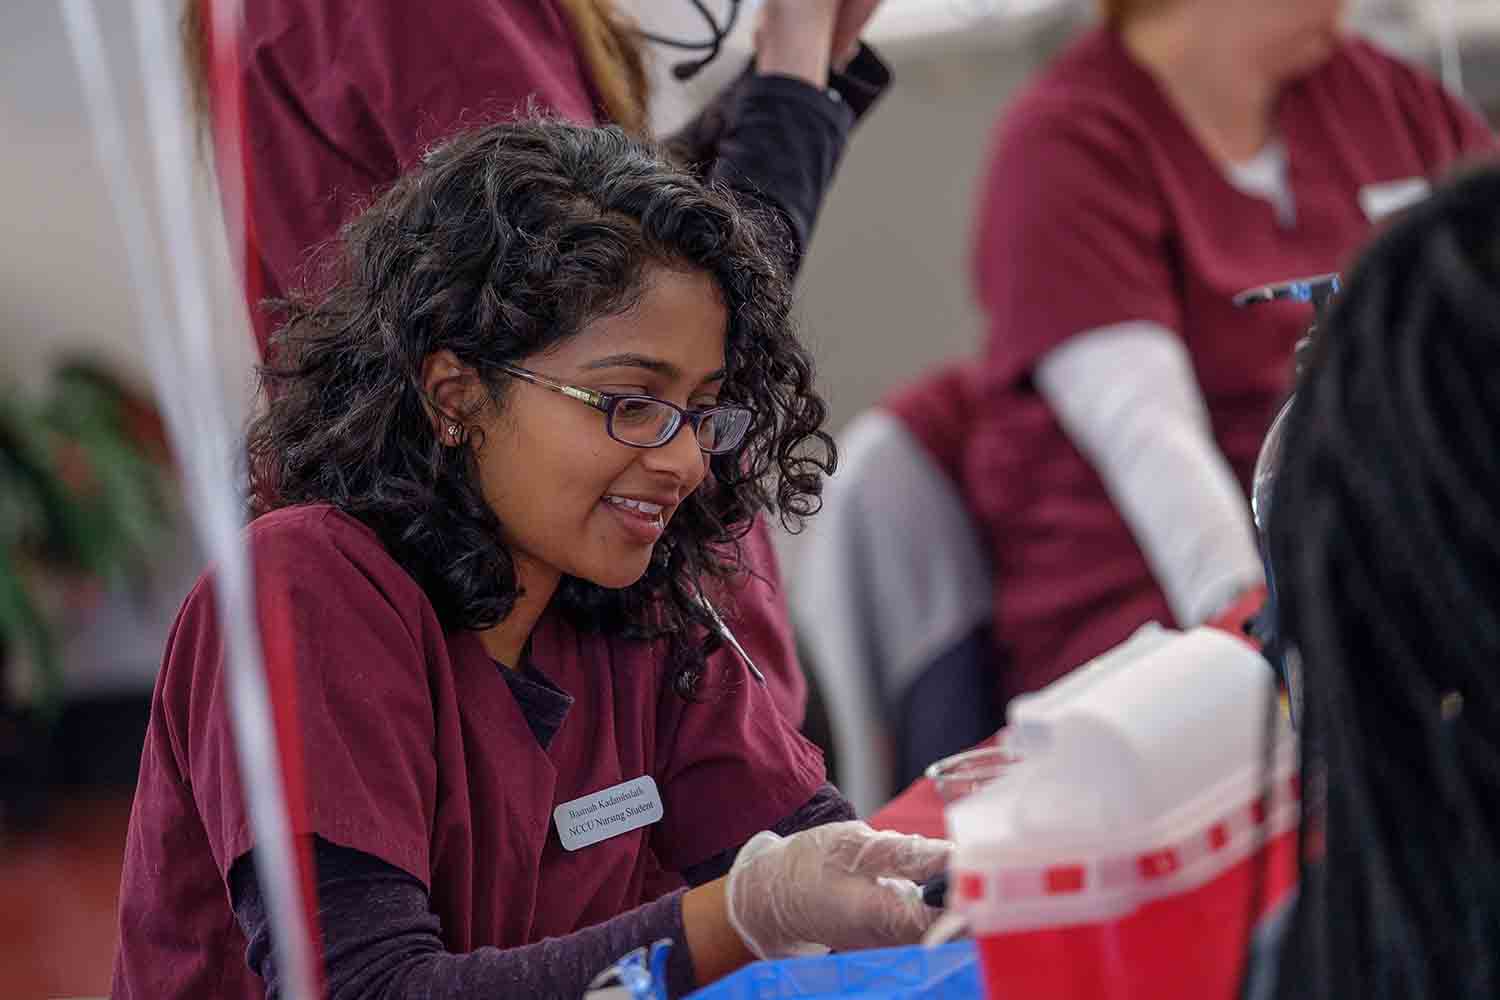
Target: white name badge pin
[1382, 200]
[608, 813]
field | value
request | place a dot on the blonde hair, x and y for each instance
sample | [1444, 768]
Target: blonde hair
[612, 50]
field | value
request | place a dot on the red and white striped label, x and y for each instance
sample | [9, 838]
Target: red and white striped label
[1224, 840]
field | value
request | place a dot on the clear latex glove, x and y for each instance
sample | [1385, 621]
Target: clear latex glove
[841, 886]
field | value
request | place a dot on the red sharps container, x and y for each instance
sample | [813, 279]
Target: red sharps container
[1148, 829]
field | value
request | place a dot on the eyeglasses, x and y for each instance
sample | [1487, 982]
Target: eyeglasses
[648, 422]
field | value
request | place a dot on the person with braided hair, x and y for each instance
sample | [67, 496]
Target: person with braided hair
[1384, 540]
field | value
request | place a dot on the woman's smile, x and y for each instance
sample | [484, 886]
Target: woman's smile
[640, 520]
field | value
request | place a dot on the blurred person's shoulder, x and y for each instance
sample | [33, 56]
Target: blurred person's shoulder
[1092, 90]
[1359, 64]
[1092, 99]
[1378, 94]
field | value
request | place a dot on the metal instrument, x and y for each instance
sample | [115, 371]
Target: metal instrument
[728, 637]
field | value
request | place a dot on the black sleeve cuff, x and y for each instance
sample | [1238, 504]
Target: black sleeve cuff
[796, 96]
[857, 86]
[861, 83]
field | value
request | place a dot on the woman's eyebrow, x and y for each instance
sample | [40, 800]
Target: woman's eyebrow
[656, 366]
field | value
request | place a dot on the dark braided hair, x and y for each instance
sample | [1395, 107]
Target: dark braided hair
[1385, 542]
[504, 241]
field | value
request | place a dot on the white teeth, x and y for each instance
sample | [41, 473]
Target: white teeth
[640, 505]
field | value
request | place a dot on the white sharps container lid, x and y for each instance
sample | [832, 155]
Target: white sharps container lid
[1158, 745]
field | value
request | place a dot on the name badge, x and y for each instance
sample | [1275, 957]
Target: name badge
[1381, 200]
[608, 813]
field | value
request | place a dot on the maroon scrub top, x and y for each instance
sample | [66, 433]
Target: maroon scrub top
[417, 753]
[1100, 207]
[343, 96]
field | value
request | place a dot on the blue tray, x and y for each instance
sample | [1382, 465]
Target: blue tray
[947, 972]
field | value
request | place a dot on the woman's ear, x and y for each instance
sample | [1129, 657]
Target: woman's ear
[449, 387]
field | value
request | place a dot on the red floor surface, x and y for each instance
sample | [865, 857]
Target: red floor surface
[58, 890]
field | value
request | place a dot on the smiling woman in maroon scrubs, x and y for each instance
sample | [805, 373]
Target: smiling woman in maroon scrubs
[503, 457]
[1183, 151]
[343, 96]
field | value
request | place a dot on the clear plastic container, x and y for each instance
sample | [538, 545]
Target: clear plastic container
[964, 773]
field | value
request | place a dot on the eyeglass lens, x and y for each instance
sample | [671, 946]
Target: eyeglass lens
[648, 422]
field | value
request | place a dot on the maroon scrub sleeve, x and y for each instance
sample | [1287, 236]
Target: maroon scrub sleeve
[1447, 130]
[1072, 236]
[364, 710]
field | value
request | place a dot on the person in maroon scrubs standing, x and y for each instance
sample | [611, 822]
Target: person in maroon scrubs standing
[552, 384]
[341, 96]
[1180, 153]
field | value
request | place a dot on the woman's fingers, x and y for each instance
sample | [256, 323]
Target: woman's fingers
[874, 853]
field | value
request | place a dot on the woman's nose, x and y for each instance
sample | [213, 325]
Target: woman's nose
[680, 457]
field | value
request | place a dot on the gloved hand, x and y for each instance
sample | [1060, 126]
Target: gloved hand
[840, 886]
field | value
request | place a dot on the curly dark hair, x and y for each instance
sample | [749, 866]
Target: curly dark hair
[503, 241]
[1385, 544]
